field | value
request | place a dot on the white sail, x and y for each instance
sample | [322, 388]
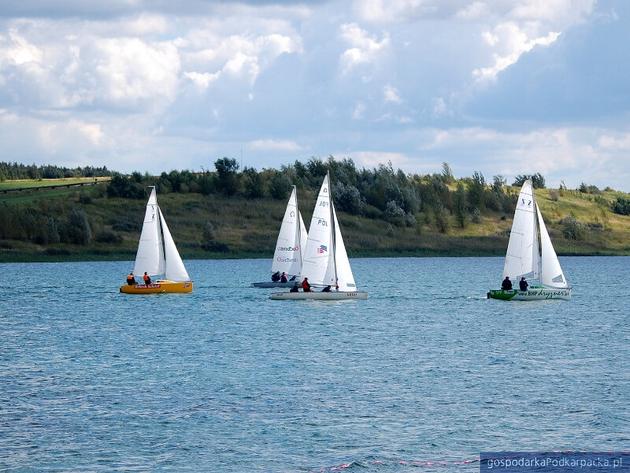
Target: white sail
[150, 255]
[303, 238]
[288, 255]
[345, 279]
[551, 272]
[174, 266]
[317, 263]
[522, 257]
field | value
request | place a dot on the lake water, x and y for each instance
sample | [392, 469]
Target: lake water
[225, 380]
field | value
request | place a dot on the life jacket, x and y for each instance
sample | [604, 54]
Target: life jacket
[146, 278]
[306, 286]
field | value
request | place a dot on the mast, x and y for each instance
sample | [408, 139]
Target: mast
[333, 229]
[538, 239]
[298, 220]
[161, 234]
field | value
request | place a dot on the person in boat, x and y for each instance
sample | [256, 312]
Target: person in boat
[283, 278]
[295, 287]
[275, 277]
[146, 278]
[506, 285]
[306, 287]
[326, 289]
[131, 280]
[522, 284]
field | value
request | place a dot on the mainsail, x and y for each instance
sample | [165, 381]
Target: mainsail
[522, 257]
[291, 240]
[150, 255]
[157, 254]
[325, 259]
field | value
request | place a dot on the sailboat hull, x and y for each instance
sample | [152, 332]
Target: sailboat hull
[270, 284]
[158, 287]
[319, 296]
[533, 294]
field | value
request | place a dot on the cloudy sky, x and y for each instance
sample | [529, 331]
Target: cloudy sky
[500, 86]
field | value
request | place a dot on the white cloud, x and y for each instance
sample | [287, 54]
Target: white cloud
[364, 48]
[235, 56]
[359, 111]
[390, 94]
[132, 71]
[274, 145]
[374, 158]
[202, 80]
[16, 50]
[513, 42]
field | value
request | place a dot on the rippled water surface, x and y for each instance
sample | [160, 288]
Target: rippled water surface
[427, 370]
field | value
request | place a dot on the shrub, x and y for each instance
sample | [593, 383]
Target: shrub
[279, 186]
[78, 229]
[394, 214]
[107, 236]
[572, 229]
[348, 198]
[621, 206]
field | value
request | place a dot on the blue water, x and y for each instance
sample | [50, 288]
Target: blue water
[225, 380]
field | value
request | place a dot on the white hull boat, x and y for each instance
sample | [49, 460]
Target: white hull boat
[325, 261]
[287, 257]
[319, 296]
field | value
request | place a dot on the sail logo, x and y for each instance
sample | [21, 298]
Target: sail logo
[288, 248]
[282, 259]
[323, 203]
[322, 222]
[529, 202]
[322, 249]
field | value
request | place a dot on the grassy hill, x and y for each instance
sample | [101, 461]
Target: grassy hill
[214, 225]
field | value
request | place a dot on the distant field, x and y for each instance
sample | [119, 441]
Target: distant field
[33, 183]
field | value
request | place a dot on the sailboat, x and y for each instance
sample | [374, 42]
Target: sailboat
[289, 247]
[158, 256]
[530, 258]
[325, 261]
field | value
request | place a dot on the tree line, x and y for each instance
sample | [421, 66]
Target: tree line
[32, 171]
[381, 192]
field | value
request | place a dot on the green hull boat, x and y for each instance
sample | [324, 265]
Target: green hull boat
[533, 294]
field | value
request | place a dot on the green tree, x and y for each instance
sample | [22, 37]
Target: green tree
[279, 186]
[78, 229]
[253, 184]
[227, 177]
[460, 206]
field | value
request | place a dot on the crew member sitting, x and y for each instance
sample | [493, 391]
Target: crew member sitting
[506, 285]
[283, 278]
[306, 287]
[131, 280]
[523, 284]
[275, 277]
[146, 278]
[326, 289]
[294, 288]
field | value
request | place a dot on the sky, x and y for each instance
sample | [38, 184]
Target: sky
[498, 86]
